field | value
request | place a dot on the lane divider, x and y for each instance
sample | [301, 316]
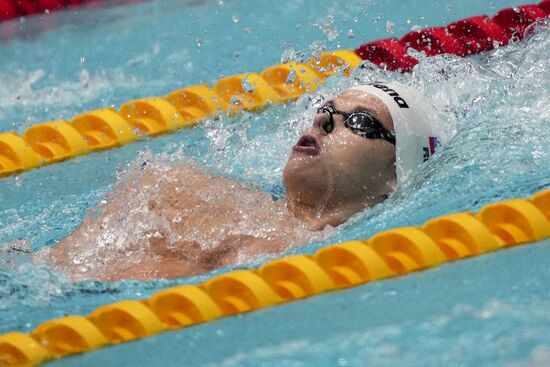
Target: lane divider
[102, 129]
[387, 254]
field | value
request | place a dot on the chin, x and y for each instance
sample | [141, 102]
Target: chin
[302, 177]
[300, 165]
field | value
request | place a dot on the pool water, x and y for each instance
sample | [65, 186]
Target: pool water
[488, 311]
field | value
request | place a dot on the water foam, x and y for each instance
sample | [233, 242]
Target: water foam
[494, 107]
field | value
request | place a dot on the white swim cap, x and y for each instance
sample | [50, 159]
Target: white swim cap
[416, 131]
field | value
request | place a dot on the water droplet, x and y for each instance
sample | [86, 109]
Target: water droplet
[329, 30]
[289, 54]
[317, 48]
[247, 86]
[389, 26]
[291, 77]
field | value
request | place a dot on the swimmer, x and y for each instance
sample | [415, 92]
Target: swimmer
[175, 221]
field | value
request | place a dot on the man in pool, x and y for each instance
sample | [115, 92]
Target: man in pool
[174, 221]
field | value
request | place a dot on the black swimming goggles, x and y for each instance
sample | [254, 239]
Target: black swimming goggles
[360, 123]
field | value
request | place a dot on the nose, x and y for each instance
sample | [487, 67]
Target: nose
[323, 122]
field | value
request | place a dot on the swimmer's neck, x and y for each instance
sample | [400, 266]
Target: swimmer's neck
[318, 217]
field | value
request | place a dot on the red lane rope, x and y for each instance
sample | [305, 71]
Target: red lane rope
[478, 34]
[10, 9]
[463, 37]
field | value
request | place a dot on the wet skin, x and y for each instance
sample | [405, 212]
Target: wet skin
[177, 221]
[347, 172]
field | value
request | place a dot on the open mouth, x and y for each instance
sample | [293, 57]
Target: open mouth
[307, 144]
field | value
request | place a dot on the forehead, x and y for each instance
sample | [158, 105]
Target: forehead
[353, 100]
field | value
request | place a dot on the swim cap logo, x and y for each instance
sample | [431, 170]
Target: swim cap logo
[392, 93]
[434, 143]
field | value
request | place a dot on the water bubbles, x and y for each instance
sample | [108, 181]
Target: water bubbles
[199, 42]
[419, 55]
[247, 30]
[328, 28]
[351, 35]
[389, 26]
[317, 48]
[235, 19]
[288, 54]
[237, 54]
[291, 77]
[247, 85]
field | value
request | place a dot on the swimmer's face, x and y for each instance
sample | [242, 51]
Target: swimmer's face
[337, 167]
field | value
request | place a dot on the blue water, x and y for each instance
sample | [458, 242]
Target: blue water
[477, 312]
[489, 311]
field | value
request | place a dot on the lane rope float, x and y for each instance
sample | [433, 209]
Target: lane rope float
[11, 9]
[385, 255]
[102, 129]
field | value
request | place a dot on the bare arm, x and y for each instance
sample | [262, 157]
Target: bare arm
[171, 222]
